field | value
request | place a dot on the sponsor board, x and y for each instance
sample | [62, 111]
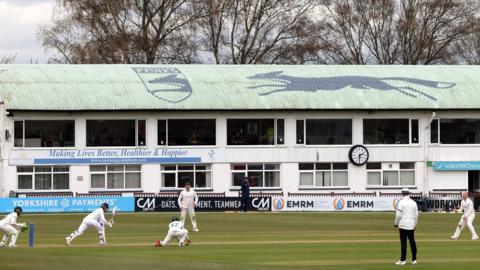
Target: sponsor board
[456, 165]
[65, 204]
[113, 156]
[442, 203]
[170, 204]
[335, 204]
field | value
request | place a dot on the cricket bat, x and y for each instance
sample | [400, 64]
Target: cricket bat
[113, 212]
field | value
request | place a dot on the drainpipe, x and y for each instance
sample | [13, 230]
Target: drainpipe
[425, 153]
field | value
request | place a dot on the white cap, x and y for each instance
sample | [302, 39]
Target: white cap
[405, 190]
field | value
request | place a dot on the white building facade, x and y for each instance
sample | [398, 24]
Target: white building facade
[62, 139]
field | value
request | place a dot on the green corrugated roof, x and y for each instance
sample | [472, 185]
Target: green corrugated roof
[238, 87]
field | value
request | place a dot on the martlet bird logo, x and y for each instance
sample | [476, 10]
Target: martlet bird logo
[168, 84]
[278, 203]
[284, 83]
[338, 204]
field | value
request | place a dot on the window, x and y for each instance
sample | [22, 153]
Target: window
[323, 175]
[115, 177]
[434, 131]
[300, 131]
[390, 174]
[118, 133]
[176, 175]
[324, 131]
[455, 131]
[390, 131]
[255, 131]
[44, 133]
[39, 178]
[261, 175]
[186, 132]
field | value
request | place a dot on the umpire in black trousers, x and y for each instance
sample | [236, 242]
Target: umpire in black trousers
[406, 219]
[245, 193]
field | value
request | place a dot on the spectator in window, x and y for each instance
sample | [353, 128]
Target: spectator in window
[269, 135]
[245, 193]
[193, 139]
[237, 138]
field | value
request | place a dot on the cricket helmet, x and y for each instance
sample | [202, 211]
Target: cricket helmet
[104, 205]
[175, 219]
[18, 209]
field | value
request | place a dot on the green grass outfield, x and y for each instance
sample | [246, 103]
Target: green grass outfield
[244, 241]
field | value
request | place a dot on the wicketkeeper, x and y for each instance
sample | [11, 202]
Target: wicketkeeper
[467, 218]
[175, 230]
[11, 228]
[96, 220]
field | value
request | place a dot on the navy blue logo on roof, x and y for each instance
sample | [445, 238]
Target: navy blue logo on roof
[168, 84]
[283, 83]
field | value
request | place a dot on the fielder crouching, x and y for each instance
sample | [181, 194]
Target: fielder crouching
[467, 218]
[96, 220]
[11, 228]
[175, 230]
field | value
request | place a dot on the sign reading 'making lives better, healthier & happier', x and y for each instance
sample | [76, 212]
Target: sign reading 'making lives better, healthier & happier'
[113, 156]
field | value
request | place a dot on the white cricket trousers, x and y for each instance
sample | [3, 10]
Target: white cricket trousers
[86, 224]
[191, 213]
[11, 233]
[469, 224]
[182, 236]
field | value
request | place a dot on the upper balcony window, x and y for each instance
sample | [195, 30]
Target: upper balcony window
[44, 133]
[118, 133]
[390, 131]
[255, 131]
[179, 132]
[324, 131]
[455, 131]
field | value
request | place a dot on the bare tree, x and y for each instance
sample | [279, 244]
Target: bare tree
[253, 31]
[390, 31]
[117, 31]
[262, 29]
[468, 48]
[8, 59]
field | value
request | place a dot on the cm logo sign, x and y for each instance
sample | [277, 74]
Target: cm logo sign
[261, 204]
[146, 203]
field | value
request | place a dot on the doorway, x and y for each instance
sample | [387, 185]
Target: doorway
[474, 181]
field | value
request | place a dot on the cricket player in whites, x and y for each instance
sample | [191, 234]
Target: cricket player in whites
[175, 230]
[467, 217]
[96, 220]
[187, 201]
[11, 228]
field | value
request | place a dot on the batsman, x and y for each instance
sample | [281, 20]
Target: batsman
[96, 220]
[11, 228]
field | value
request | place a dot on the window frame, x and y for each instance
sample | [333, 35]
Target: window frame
[190, 145]
[51, 173]
[304, 140]
[194, 171]
[410, 143]
[105, 174]
[439, 136]
[22, 120]
[263, 170]
[275, 132]
[382, 170]
[314, 173]
[120, 146]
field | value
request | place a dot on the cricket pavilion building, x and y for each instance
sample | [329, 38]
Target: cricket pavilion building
[291, 129]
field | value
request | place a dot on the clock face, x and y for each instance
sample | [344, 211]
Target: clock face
[358, 155]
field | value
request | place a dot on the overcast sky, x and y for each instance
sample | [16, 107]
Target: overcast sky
[19, 22]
